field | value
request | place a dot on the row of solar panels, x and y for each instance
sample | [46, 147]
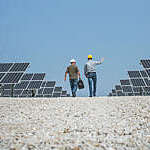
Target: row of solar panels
[14, 82]
[137, 84]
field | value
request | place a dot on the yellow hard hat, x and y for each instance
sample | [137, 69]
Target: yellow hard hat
[89, 56]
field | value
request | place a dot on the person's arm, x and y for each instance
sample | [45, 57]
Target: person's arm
[66, 74]
[79, 75]
[85, 70]
[78, 72]
[99, 62]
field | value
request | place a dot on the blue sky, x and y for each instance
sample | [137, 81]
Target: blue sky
[51, 32]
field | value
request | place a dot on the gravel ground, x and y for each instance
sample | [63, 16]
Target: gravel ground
[104, 123]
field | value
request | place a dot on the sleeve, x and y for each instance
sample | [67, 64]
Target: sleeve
[77, 69]
[67, 70]
[85, 69]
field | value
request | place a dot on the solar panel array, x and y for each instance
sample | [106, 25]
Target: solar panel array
[137, 84]
[15, 82]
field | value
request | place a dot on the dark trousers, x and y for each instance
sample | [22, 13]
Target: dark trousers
[92, 79]
[73, 85]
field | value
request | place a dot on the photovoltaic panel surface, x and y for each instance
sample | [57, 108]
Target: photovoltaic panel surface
[127, 89]
[120, 93]
[138, 82]
[22, 85]
[27, 76]
[11, 78]
[134, 74]
[48, 91]
[58, 90]
[125, 82]
[7, 93]
[137, 89]
[1, 75]
[148, 72]
[50, 84]
[27, 93]
[118, 87]
[38, 76]
[35, 84]
[43, 84]
[146, 63]
[144, 74]
[147, 82]
[146, 89]
[19, 67]
[56, 94]
[5, 67]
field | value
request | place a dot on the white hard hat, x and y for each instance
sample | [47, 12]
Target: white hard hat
[72, 61]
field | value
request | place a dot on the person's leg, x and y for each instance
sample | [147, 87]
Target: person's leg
[71, 85]
[75, 85]
[90, 86]
[94, 84]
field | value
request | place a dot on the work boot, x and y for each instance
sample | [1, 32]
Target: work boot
[73, 94]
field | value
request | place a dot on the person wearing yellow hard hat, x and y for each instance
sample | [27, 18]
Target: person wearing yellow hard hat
[90, 73]
[74, 74]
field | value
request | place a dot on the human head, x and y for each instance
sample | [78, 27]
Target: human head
[90, 57]
[73, 61]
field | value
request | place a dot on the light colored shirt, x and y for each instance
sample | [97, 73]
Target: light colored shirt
[90, 66]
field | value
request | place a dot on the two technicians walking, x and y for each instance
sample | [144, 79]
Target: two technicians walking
[89, 71]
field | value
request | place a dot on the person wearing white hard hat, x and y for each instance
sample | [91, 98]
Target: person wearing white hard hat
[74, 74]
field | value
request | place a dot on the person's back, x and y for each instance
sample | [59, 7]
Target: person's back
[90, 73]
[74, 73]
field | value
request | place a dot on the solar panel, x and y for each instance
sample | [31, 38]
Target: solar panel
[146, 89]
[50, 84]
[125, 82]
[17, 92]
[38, 76]
[118, 88]
[134, 74]
[137, 89]
[147, 82]
[119, 93]
[48, 91]
[110, 94]
[64, 93]
[47, 95]
[27, 76]
[148, 72]
[7, 93]
[40, 91]
[35, 84]
[130, 94]
[145, 63]
[43, 84]
[56, 94]
[26, 93]
[58, 90]
[5, 67]
[127, 89]
[22, 85]
[7, 86]
[19, 67]
[11, 78]
[138, 82]
[1, 75]
[144, 74]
